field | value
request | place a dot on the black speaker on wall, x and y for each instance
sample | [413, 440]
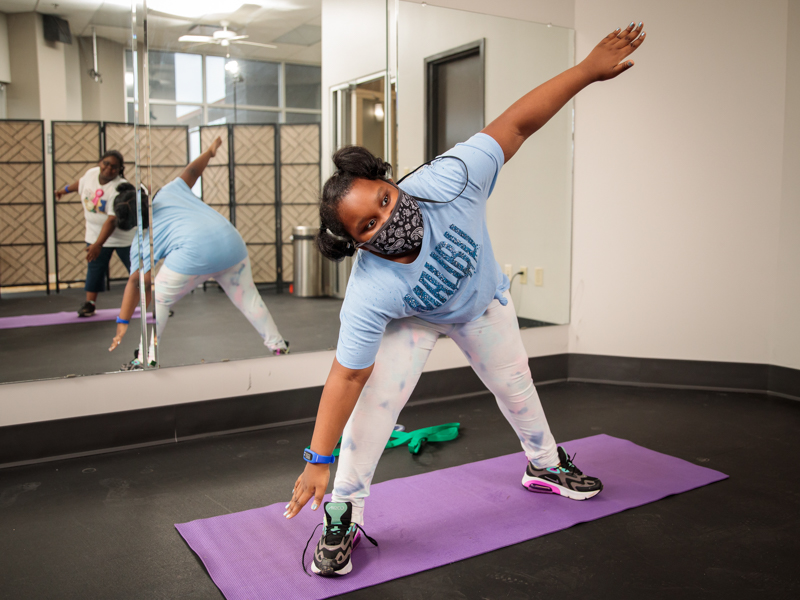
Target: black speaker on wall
[56, 29]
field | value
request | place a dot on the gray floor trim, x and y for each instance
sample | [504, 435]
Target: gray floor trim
[673, 386]
[129, 430]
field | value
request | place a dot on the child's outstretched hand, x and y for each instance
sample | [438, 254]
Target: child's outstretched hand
[609, 57]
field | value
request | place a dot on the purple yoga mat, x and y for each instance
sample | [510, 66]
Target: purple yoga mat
[64, 318]
[433, 519]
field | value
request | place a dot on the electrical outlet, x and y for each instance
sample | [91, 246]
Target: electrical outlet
[538, 276]
[523, 278]
[507, 268]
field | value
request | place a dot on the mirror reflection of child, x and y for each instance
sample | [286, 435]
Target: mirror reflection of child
[197, 244]
[97, 190]
[425, 267]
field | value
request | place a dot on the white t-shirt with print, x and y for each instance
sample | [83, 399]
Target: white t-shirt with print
[98, 205]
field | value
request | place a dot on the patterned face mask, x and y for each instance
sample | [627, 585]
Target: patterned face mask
[402, 231]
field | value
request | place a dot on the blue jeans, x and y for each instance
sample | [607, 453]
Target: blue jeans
[96, 270]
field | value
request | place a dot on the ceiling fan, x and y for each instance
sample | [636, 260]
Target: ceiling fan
[222, 37]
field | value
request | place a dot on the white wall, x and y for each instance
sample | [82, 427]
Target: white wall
[678, 183]
[786, 321]
[72, 92]
[23, 91]
[555, 12]
[529, 213]
[353, 46]
[102, 101]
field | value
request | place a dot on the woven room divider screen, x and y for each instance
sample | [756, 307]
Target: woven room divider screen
[266, 180]
[23, 221]
[77, 146]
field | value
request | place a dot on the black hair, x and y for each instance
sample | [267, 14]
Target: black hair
[118, 155]
[352, 162]
[125, 207]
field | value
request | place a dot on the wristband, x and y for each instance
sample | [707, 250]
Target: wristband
[312, 457]
[123, 321]
[66, 188]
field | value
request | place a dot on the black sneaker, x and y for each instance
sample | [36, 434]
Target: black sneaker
[339, 537]
[134, 365]
[87, 310]
[564, 480]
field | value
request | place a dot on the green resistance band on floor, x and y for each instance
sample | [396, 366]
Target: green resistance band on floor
[419, 437]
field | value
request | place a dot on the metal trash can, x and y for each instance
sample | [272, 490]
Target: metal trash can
[336, 275]
[307, 262]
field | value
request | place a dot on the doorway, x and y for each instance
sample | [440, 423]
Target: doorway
[454, 98]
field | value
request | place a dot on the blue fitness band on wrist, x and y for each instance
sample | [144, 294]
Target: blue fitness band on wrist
[310, 456]
[123, 321]
[66, 188]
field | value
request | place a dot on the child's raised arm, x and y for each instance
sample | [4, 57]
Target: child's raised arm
[195, 168]
[528, 114]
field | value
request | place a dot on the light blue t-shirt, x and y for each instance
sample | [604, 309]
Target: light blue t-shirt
[191, 237]
[454, 278]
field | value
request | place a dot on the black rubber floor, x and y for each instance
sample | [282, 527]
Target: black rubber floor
[206, 327]
[102, 527]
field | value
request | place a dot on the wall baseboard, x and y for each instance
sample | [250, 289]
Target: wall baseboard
[82, 436]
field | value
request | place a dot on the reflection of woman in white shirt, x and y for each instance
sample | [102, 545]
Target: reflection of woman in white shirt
[97, 189]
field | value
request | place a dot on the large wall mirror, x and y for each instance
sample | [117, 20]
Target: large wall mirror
[237, 91]
[280, 84]
[458, 70]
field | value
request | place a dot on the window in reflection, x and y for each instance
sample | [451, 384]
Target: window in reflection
[194, 89]
[303, 118]
[303, 86]
[220, 116]
[243, 82]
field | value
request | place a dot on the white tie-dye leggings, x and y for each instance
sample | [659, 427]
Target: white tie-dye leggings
[237, 281]
[494, 349]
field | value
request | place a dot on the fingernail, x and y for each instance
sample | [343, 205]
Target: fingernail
[617, 29]
[313, 507]
[287, 506]
[630, 64]
[640, 23]
[632, 24]
[287, 516]
[285, 513]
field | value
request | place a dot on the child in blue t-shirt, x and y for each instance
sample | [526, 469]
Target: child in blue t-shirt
[197, 243]
[425, 267]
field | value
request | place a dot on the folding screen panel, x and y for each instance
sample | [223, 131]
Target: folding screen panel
[255, 199]
[77, 147]
[299, 184]
[23, 224]
[266, 180]
[161, 161]
[216, 181]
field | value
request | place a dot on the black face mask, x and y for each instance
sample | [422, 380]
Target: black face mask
[402, 231]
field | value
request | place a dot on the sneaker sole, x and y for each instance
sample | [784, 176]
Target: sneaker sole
[540, 486]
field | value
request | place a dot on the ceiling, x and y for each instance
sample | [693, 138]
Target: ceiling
[292, 25]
